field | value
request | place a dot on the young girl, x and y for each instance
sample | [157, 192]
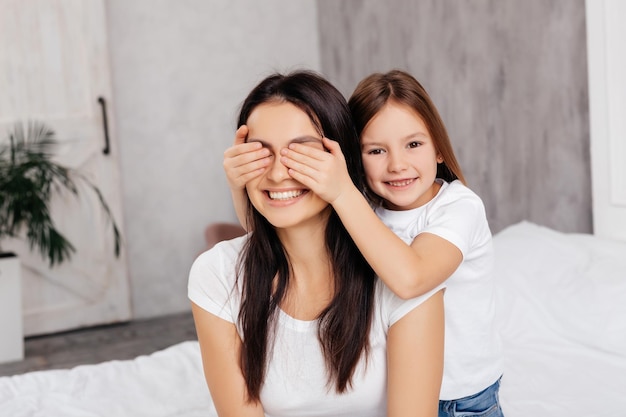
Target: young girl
[427, 226]
[290, 318]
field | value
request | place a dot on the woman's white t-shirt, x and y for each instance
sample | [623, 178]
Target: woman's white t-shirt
[472, 359]
[296, 380]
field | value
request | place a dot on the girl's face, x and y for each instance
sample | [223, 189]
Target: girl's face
[399, 157]
[283, 201]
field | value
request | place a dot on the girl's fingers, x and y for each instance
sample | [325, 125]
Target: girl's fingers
[311, 159]
[241, 155]
[261, 155]
[331, 145]
[307, 175]
[241, 149]
[307, 150]
[294, 165]
[240, 176]
[235, 171]
[241, 134]
[240, 146]
[302, 179]
[245, 178]
[251, 166]
[309, 155]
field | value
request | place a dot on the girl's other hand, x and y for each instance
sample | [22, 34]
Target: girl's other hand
[244, 161]
[325, 173]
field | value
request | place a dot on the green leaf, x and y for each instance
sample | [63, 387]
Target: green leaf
[28, 179]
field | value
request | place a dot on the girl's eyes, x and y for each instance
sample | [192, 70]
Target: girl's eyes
[379, 151]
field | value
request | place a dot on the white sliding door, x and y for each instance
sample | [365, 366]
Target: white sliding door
[54, 68]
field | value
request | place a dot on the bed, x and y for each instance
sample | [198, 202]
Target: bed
[562, 316]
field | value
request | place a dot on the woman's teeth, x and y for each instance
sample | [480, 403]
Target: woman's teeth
[285, 195]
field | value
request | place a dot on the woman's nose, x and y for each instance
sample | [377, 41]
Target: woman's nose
[276, 170]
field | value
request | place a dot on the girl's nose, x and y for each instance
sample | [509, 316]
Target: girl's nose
[397, 162]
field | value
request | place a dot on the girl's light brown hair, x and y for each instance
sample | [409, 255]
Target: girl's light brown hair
[375, 90]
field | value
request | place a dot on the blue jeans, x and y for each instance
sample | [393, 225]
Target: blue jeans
[484, 404]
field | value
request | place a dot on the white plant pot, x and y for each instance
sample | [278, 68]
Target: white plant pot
[11, 327]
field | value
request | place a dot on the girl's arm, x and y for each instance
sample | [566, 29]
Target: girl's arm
[408, 270]
[243, 162]
[220, 345]
[415, 346]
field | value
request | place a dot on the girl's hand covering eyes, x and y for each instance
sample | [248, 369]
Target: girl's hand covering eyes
[324, 173]
[244, 161]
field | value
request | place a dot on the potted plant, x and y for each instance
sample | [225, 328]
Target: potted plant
[28, 179]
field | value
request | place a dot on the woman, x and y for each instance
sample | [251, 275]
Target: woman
[290, 318]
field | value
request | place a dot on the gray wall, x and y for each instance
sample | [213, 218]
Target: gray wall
[180, 69]
[510, 80]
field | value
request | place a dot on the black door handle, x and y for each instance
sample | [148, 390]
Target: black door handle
[105, 125]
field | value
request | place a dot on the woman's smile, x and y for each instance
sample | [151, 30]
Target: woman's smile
[285, 195]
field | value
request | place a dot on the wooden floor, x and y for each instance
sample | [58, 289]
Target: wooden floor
[99, 344]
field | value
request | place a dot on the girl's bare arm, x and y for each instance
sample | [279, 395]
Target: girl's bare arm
[408, 270]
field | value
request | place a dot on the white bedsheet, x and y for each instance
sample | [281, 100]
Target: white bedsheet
[562, 310]
[562, 314]
[168, 383]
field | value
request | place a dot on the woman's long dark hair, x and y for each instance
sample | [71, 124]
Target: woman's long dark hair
[264, 264]
[375, 90]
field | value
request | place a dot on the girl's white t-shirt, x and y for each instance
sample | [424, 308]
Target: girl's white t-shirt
[296, 380]
[472, 359]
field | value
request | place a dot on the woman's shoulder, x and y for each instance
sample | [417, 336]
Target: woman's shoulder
[224, 250]
[392, 308]
[213, 277]
[218, 261]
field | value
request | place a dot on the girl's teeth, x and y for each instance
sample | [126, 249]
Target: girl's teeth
[399, 183]
[285, 195]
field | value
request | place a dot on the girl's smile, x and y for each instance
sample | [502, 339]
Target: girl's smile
[401, 183]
